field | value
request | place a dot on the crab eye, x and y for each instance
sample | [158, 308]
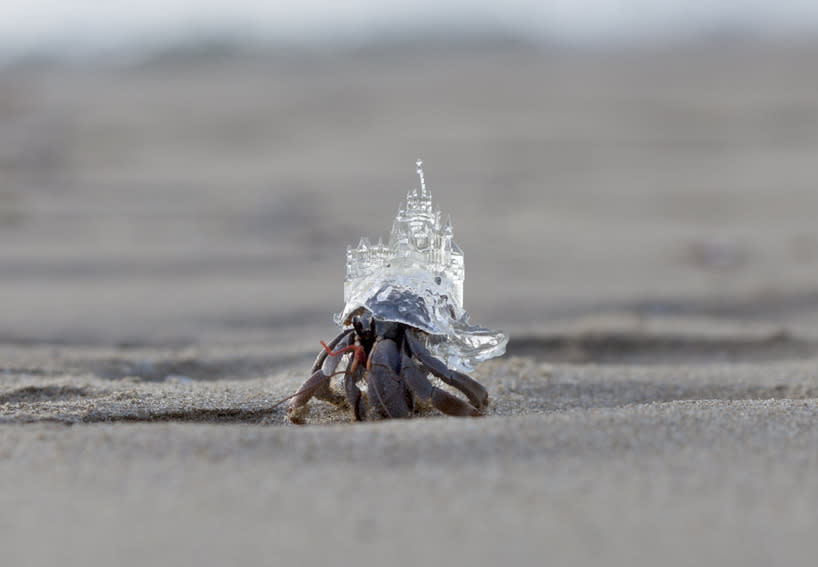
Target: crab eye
[438, 280]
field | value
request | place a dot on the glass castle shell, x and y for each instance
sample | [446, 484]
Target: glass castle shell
[417, 279]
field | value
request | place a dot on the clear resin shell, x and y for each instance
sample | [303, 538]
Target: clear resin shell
[417, 279]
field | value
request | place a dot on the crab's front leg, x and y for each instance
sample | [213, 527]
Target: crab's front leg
[354, 372]
[387, 393]
[474, 390]
[318, 384]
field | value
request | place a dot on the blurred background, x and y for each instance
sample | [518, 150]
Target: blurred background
[175, 173]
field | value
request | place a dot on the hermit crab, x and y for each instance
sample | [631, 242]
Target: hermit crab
[403, 321]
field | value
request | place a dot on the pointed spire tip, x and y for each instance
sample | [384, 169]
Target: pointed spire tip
[419, 164]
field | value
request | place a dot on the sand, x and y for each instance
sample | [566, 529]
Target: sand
[641, 222]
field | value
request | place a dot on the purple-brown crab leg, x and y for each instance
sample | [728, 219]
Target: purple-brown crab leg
[354, 397]
[318, 383]
[473, 390]
[322, 355]
[416, 379]
[386, 391]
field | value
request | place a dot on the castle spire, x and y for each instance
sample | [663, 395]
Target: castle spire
[419, 164]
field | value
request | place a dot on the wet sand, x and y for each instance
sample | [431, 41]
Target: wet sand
[642, 223]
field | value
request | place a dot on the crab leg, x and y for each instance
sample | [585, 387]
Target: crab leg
[354, 373]
[473, 390]
[387, 393]
[322, 354]
[441, 399]
[318, 384]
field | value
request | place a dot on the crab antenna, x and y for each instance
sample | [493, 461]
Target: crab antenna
[419, 163]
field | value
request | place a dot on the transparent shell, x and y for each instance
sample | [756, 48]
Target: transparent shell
[417, 279]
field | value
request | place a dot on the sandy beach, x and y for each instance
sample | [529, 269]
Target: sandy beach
[642, 222]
